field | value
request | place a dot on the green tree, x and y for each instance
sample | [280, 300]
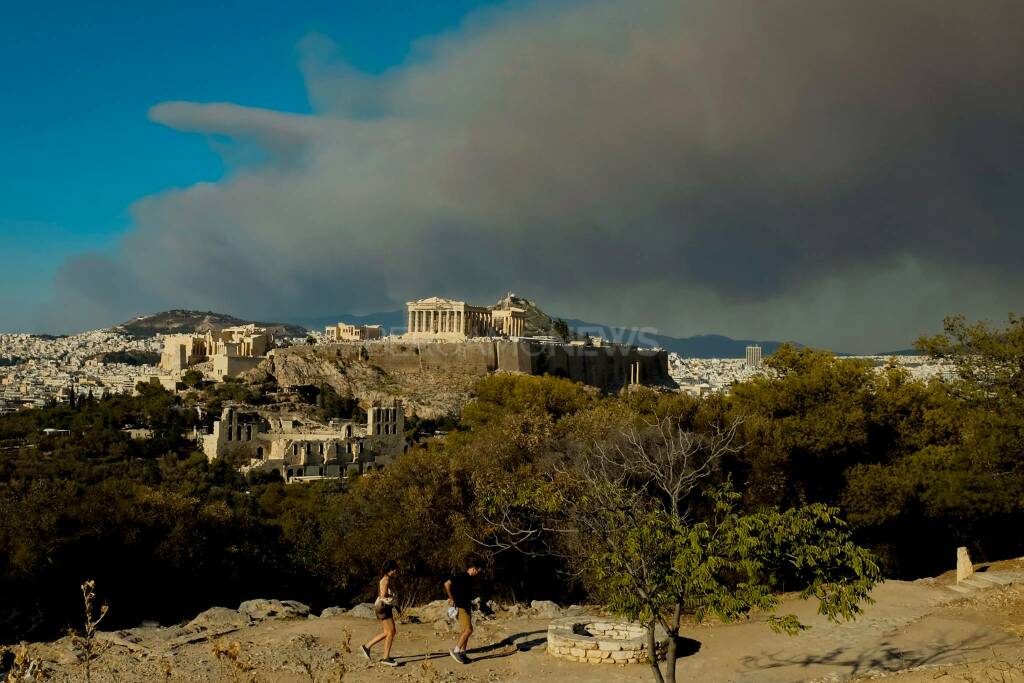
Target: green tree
[628, 514]
[192, 379]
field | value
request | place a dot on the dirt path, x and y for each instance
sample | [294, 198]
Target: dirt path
[925, 631]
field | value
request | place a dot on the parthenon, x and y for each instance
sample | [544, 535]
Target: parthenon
[437, 318]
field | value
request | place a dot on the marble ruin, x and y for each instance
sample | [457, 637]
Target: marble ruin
[231, 351]
[299, 449]
[346, 332]
[450, 320]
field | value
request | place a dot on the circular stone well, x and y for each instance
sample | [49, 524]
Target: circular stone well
[602, 641]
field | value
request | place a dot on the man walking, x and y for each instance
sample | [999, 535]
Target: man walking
[460, 590]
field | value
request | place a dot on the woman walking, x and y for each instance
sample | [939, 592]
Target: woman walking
[384, 608]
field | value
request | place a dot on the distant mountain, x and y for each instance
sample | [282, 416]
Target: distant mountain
[181, 321]
[700, 346]
[540, 323]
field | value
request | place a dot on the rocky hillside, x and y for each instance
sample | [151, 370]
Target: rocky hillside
[538, 323]
[429, 392]
[181, 321]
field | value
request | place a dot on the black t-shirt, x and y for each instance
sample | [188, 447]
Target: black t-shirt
[463, 586]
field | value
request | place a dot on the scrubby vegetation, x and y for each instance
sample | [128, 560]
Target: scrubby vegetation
[913, 468]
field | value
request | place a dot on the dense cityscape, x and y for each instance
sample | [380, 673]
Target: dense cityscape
[35, 369]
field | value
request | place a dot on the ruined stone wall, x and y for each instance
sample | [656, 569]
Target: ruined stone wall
[477, 356]
[605, 367]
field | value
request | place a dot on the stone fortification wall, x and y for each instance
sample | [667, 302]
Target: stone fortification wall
[605, 367]
[478, 356]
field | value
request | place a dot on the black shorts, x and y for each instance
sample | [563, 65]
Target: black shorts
[383, 610]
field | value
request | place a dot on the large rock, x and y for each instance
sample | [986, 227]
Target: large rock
[432, 611]
[262, 608]
[545, 609]
[218, 618]
[362, 611]
[332, 612]
[300, 609]
[516, 609]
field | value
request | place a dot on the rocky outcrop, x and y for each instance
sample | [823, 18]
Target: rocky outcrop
[432, 391]
[436, 379]
[431, 612]
[363, 610]
[261, 608]
[217, 618]
[538, 323]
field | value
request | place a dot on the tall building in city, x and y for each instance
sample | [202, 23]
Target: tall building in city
[754, 356]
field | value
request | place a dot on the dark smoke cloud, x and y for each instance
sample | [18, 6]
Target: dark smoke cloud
[844, 173]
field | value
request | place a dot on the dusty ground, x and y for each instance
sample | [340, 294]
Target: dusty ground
[914, 632]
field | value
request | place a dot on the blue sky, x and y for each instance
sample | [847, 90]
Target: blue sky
[76, 147]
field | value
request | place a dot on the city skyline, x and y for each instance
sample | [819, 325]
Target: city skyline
[768, 171]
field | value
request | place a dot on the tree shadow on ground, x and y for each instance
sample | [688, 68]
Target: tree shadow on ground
[686, 647]
[883, 657]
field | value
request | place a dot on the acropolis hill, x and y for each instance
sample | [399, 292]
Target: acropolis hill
[435, 379]
[430, 365]
[447, 346]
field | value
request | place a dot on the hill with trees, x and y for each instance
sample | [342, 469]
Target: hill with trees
[182, 321]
